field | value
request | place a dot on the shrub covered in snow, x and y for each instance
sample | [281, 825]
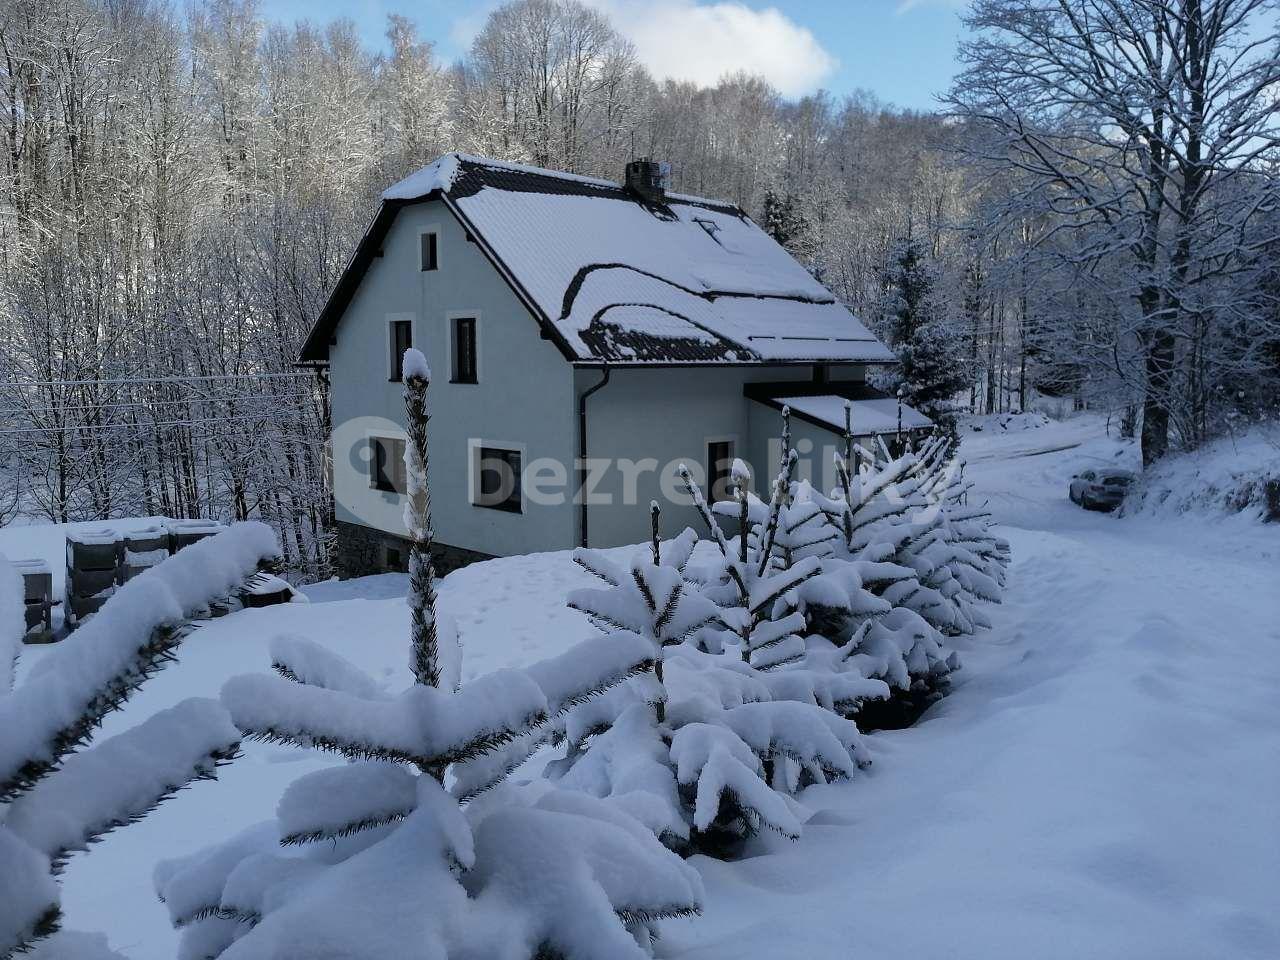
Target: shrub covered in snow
[415, 847]
[907, 541]
[711, 747]
[814, 611]
[58, 794]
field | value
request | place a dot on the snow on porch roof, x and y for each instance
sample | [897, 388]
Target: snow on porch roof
[613, 279]
[872, 412]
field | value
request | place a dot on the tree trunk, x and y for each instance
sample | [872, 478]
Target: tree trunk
[1155, 406]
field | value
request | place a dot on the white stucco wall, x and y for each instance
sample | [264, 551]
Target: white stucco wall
[523, 398]
[671, 415]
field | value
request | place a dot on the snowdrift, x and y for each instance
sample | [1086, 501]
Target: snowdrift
[1235, 475]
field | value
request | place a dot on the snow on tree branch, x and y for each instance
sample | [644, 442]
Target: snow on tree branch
[58, 796]
[99, 666]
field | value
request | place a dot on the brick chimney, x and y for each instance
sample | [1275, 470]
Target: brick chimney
[647, 179]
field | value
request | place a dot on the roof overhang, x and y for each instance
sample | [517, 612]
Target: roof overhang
[874, 413]
[315, 349]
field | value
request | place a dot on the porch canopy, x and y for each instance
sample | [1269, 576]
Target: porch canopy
[873, 412]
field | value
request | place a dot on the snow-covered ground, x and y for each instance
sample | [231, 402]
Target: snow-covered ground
[1229, 475]
[1101, 783]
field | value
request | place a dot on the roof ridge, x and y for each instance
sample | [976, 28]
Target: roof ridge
[529, 168]
[443, 172]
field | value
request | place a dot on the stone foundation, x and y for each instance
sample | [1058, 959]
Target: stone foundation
[363, 551]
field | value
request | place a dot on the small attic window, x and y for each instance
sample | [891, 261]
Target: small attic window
[711, 228]
[430, 259]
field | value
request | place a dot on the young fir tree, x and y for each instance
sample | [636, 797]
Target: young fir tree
[692, 750]
[930, 369]
[415, 847]
[755, 589]
[911, 544]
[60, 790]
[793, 534]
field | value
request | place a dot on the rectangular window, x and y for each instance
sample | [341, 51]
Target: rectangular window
[386, 464]
[429, 242]
[719, 468]
[401, 340]
[464, 350]
[498, 479]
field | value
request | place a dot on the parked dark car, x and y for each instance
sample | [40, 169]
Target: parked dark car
[1100, 489]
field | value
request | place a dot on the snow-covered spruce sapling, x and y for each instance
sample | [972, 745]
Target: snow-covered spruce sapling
[648, 599]
[436, 659]
[850, 636]
[909, 544]
[415, 848]
[766, 632]
[902, 513]
[689, 750]
[875, 511]
[788, 587]
[58, 793]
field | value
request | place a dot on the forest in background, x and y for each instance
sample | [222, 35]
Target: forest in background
[1090, 214]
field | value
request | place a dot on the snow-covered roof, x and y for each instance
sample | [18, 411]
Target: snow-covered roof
[872, 412]
[615, 279]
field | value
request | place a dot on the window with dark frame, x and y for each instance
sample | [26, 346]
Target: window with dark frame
[429, 251]
[386, 464]
[719, 470]
[498, 479]
[464, 350]
[401, 340]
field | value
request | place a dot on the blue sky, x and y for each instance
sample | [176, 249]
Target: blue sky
[901, 50]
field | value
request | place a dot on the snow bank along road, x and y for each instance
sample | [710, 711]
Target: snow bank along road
[1102, 782]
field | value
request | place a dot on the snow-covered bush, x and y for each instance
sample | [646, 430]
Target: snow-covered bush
[415, 848]
[384, 857]
[906, 540]
[58, 794]
[706, 750]
[876, 576]
[909, 511]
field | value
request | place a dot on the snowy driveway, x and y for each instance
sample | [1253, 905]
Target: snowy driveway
[1102, 783]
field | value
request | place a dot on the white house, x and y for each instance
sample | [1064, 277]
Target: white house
[573, 321]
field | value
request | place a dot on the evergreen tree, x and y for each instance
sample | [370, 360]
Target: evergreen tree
[782, 219]
[912, 545]
[695, 754]
[829, 607]
[930, 370]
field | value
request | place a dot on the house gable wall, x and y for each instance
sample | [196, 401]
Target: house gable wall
[524, 393]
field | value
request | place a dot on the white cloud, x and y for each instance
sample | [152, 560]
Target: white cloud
[701, 42]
